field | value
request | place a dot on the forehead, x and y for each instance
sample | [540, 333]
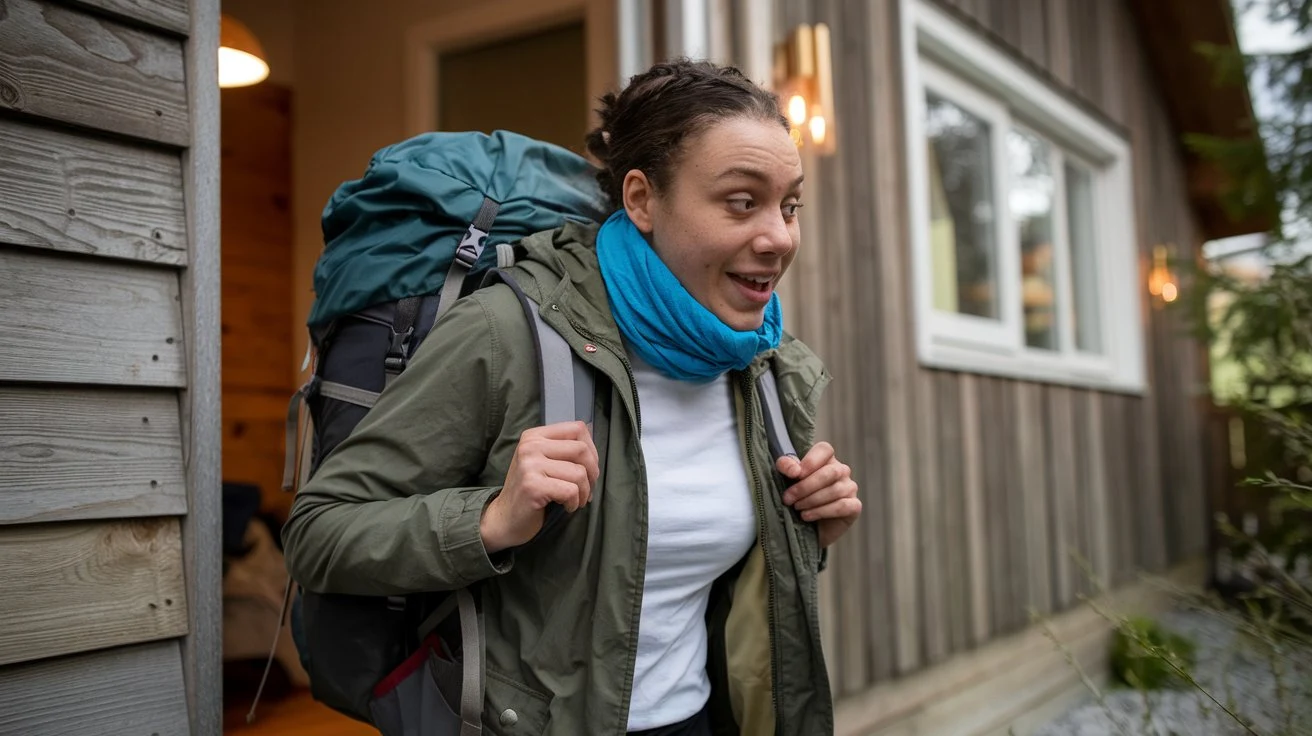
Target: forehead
[741, 149]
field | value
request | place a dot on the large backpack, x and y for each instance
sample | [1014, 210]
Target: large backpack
[432, 219]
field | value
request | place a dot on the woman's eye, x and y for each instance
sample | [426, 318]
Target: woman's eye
[741, 205]
[790, 209]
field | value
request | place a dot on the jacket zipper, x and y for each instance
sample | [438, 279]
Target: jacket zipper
[746, 387]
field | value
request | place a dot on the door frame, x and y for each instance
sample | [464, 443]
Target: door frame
[495, 21]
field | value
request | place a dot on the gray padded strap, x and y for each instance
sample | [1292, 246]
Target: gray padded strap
[471, 688]
[781, 444]
[293, 420]
[349, 394]
[558, 383]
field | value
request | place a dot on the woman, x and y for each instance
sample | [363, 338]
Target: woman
[679, 595]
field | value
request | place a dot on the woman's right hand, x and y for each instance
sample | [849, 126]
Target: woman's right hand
[556, 463]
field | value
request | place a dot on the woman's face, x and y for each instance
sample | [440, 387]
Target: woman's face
[726, 224]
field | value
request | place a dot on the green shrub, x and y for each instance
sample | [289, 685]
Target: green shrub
[1143, 653]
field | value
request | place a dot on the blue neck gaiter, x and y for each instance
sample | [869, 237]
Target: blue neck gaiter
[662, 322]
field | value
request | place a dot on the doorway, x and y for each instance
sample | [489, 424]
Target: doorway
[534, 84]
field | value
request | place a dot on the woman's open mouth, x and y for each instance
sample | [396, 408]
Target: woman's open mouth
[755, 288]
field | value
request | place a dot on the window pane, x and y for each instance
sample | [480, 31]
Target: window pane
[1031, 202]
[961, 219]
[1084, 261]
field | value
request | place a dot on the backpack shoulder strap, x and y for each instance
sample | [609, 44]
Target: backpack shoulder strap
[781, 445]
[567, 382]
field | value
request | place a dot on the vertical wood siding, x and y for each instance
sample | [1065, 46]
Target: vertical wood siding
[986, 498]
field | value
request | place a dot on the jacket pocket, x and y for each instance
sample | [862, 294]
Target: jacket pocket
[514, 709]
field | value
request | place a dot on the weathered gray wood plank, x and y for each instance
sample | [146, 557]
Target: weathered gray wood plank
[168, 15]
[137, 690]
[80, 586]
[889, 271]
[947, 400]
[975, 509]
[1056, 14]
[1068, 518]
[87, 454]
[930, 558]
[999, 454]
[85, 321]
[1031, 17]
[59, 63]
[1095, 491]
[1035, 494]
[202, 431]
[85, 195]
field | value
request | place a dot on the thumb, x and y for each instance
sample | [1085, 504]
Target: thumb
[789, 465]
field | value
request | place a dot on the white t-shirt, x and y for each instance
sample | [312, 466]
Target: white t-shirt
[701, 520]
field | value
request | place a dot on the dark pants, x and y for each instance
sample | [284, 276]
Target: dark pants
[698, 725]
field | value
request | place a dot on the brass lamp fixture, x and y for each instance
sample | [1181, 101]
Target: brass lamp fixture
[804, 80]
[1161, 281]
[241, 58]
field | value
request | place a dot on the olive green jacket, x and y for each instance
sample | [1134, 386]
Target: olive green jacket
[395, 509]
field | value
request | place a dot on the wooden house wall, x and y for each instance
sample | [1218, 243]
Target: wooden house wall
[109, 555]
[983, 494]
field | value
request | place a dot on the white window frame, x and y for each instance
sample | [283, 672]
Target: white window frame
[942, 55]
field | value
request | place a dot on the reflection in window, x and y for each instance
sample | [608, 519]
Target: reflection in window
[1031, 201]
[1084, 258]
[962, 233]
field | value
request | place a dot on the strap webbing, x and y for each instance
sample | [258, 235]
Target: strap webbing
[781, 445]
[467, 253]
[293, 417]
[471, 646]
[349, 394]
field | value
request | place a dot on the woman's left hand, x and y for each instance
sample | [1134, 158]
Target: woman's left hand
[824, 491]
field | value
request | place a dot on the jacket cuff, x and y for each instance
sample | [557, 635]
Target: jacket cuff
[461, 541]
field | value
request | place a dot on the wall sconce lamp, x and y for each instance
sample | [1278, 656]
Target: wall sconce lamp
[241, 58]
[804, 79]
[1161, 281]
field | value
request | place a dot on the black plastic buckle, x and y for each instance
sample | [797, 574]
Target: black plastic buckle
[397, 351]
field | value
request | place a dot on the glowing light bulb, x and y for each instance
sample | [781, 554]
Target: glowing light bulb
[797, 110]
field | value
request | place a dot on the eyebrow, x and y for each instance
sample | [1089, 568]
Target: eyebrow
[756, 174]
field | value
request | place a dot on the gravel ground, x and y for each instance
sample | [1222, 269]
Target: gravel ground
[1230, 667]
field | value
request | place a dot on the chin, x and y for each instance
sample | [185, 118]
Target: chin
[744, 322]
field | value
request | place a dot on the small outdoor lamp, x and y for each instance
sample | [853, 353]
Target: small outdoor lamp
[804, 79]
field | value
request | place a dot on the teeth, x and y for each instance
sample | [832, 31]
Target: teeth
[756, 279]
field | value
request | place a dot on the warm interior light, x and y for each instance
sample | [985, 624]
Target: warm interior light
[797, 108]
[818, 130]
[1161, 282]
[241, 58]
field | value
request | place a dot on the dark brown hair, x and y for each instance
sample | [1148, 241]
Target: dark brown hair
[645, 126]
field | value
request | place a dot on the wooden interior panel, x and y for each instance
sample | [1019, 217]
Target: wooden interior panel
[66, 65]
[128, 690]
[256, 287]
[80, 586]
[86, 195]
[87, 321]
[89, 454]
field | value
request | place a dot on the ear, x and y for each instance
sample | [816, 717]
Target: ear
[639, 200]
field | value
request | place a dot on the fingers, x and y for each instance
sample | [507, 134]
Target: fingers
[846, 506]
[819, 456]
[841, 488]
[569, 441]
[563, 482]
[828, 475]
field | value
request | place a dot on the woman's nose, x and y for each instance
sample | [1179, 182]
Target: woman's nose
[775, 238]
